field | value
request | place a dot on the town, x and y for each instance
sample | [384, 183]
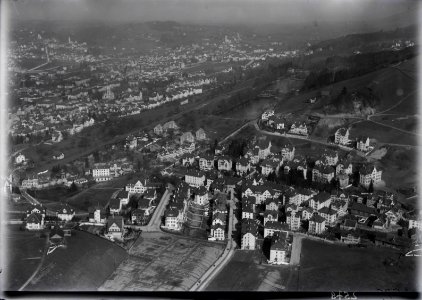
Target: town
[185, 160]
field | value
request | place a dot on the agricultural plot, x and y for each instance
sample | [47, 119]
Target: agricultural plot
[83, 265]
[163, 262]
[247, 271]
[23, 260]
[326, 267]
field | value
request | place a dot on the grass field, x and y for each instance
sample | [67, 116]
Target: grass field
[245, 273]
[163, 262]
[383, 134]
[26, 250]
[326, 267]
[83, 266]
[400, 167]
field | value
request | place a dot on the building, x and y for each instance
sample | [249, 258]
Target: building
[20, 158]
[138, 186]
[158, 129]
[280, 249]
[293, 220]
[243, 166]
[271, 228]
[218, 232]
[225, 164]
[35, 221]
[249, 233]
[342, 136]
[350, 238]
[270, 215]
[200, 134]
[65, 213]
[330, 215]
[288, 152]
[201, 196]
[316, 224]
[101, 172]
[171, 217]
[368, 174]
[195, 178]
[187, 137]
[269, 166]
[320, 200]
[362, 144]
[322, 173]
[415, 223]
[115, 227]
[206, 162]
[97, 215]
[264, 148]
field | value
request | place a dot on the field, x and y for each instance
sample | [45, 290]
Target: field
[326, 267]
[244, 272]
[383, 134]
[24, 259]
[400, 167]
[83, 266]
[163, 262]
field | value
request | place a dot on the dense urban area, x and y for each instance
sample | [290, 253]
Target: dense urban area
[164, 156]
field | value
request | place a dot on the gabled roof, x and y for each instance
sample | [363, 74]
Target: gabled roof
[317, 219]
[118, 220]
[34, 218]
[321, 197]
[273, 225]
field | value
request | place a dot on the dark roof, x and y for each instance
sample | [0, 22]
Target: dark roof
[118, 220]
[317, 219]
[321, 197]
[273, 225]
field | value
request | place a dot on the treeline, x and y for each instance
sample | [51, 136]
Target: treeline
[355, 65]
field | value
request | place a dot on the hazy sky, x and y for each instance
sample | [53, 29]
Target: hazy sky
[209, 11]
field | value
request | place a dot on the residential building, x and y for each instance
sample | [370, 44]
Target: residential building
[115, 227]
[280, 249]
[206, 162]
[316, 224]
[272, 227]
[195, 178]
[320, 200]
[342, 136]
[225, 163]
[200, 134]
[249, 234]
[368, 174]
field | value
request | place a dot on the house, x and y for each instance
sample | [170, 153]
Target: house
[171, 219]
[368, 174]
[316, 224]
[269, 166]
[415, 222]
[271, 204]
[264, 148]
[97, 215]
[201, 196]
[187, 137]
[322, 173]
[270, 215]
[361, 210]
[206, 162]
[342, 136]
[320, 200]
[288, 152]
[170, 125]
[279, 249]
[243, 166]
[249, 233]
[224, 163]
[330, 215]
[101, 172]
[293, 220]
[200, 134]
[158, 129]
[35, 221]
[58, 156]
[343, 180]
[218, 232]
[138, 216]
[345, 167]
[188, 159]
[266, 114]
[349, 224]
[272, 227]
[138, 186]
[248, 211]
[195, 178]
[115, 227]
[114, 206]
[350, 238]
[20, 158]
[65, 213]
[299, 128]
[56, 237]
[362, 144]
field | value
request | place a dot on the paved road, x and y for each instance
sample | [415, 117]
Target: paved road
[296, 250]
[155, 221]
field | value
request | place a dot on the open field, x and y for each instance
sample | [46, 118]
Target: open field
[26, 251]
[383, 134]
[406, 123]
[83, 266]
[245, 273]
[400, 167]
[163, 262]
[326, 267]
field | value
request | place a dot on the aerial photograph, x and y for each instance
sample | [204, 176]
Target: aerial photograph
[210, 146]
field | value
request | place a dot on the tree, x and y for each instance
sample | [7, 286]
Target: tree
[73, 188]
[371, 187]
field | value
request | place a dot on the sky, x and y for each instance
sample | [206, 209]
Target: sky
[209, 11]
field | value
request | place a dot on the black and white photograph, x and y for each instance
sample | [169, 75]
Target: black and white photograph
[210, 146]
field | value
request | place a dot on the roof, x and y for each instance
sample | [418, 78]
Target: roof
[321, 197]
[317, 219]
[171, 213]
[34, 218]
[350, 223]
[327, 211]
[123, 194]
[273, 225]
[114, 203]
[118, 220]
[368, 169]
[362, 208]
